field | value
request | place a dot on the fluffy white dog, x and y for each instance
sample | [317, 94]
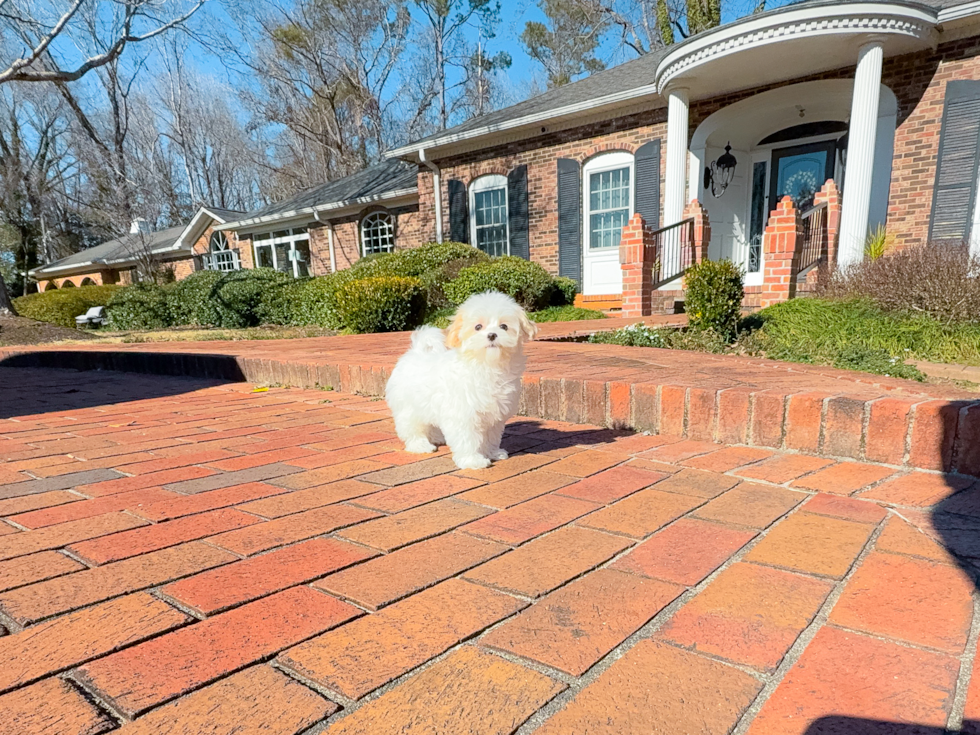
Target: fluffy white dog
[461, 386]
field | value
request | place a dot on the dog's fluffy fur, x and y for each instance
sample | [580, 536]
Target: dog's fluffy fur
[461, 386]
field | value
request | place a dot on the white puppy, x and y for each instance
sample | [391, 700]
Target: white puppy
[461, 387]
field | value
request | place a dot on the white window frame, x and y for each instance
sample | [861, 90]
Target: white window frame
[290, 238]
[489, 182]
[380, 218]
[599, 164]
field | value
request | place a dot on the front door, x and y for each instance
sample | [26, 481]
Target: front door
[800, 172]
[608, 205]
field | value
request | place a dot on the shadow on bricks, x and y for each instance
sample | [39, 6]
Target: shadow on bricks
[62, 389]
[836, 725]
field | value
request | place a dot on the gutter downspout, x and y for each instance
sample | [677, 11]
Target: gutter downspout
[329, 224]
[437, 188]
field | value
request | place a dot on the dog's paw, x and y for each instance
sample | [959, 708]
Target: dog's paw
[472, 462]
[499, 454]
[420, 445]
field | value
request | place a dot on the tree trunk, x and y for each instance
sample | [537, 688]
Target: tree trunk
[6, 305]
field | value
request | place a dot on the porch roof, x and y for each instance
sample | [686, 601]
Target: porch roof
[110, 254]
[637, 84]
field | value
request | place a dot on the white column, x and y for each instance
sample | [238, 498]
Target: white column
[676, 175]
[856, 204]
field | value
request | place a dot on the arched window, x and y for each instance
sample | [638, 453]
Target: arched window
[489, 229]
[220, 256]
[377, 233]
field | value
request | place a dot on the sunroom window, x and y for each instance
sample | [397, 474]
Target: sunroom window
[285, 250]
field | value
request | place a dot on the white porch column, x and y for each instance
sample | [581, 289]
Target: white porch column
[675, 186]
[856, 203]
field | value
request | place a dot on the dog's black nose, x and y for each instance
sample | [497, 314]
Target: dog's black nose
[492, 336]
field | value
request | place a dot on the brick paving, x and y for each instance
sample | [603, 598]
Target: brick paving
[188, 556]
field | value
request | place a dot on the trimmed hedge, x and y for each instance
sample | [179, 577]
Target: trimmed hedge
[565, 291]
[230, 300]
[141, 306]
[62, 306]
[714, 296]
[381, 304]
[527, 283]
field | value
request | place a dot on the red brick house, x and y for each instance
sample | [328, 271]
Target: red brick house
[329, 227]
[182, 249]
[882, 98]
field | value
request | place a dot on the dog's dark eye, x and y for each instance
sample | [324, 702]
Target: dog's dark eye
[504, 327]
[478, 327]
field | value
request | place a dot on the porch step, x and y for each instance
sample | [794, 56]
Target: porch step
[609, 304]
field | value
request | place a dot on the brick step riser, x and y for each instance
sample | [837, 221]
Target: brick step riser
[920, 433]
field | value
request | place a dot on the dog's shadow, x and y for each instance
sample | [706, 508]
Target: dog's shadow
[534, 436]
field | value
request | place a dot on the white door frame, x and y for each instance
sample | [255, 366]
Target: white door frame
[604, 162]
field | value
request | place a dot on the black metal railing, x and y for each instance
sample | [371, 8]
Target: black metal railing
[673, 251]
[813, 240]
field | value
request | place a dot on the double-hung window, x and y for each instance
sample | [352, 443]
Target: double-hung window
[489, 230]
[609, 199]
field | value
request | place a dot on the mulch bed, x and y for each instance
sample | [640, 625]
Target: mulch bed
[20, 331]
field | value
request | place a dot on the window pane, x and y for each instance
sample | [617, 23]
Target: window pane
[303, 258]
[609, 202]
[490, 214]
[377, 233]
[283, 263]
[263, 256]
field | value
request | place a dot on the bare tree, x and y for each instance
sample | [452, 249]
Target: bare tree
[35, 26]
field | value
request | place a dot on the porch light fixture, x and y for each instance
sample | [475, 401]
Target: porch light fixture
[842, 149]
[720, 173]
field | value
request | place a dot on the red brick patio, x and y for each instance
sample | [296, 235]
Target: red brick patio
[185, 557]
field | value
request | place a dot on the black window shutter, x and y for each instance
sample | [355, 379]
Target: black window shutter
[955, 191]
[459, 217]
[569, 220]
[646, 165]
[520, 244]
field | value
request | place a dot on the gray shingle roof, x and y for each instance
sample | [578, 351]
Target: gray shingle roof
[371, 183]
[122, 248]
[226, 214]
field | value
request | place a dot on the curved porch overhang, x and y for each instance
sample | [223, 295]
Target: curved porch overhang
[792, 43]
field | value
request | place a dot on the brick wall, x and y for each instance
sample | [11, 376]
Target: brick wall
[540, 155]
[347, 237]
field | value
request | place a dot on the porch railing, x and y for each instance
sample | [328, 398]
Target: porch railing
[813, 242]
[674, 251]
[221, 260]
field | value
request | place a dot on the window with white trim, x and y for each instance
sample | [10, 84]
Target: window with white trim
[608, 199]
[489, 229]
[285, 250]
[377, 233]
[220, 256]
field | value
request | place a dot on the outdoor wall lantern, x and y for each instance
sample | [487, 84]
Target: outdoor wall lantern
[720, 173]
[842, 149]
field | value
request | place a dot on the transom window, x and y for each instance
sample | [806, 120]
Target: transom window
[377, 233]
[285, 250]
[488, 215]
[609, 199]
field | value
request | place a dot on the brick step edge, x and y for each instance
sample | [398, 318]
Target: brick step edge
[923, 433]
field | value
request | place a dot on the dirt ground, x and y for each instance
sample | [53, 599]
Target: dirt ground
[20, 331]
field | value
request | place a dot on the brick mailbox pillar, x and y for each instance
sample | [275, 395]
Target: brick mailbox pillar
[779, 251]
[636, 260]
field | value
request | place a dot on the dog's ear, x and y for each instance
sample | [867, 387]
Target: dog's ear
[453, 333]
[528, 328]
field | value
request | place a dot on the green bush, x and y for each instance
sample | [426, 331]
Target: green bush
[141, 306]
[62, 306]
[415, 262]
[527, 283]
[714, 296]
[435, 281]
[279, 303]
[832, 332]
[380, 304]
[635, 335]
[231, 300]
[565, 314]
[565, 291]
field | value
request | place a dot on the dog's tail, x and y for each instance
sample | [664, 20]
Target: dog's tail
[428, 339]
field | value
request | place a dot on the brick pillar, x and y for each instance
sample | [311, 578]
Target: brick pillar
[779, 255]
[830, 194]
[702, 229]
[634, 259]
